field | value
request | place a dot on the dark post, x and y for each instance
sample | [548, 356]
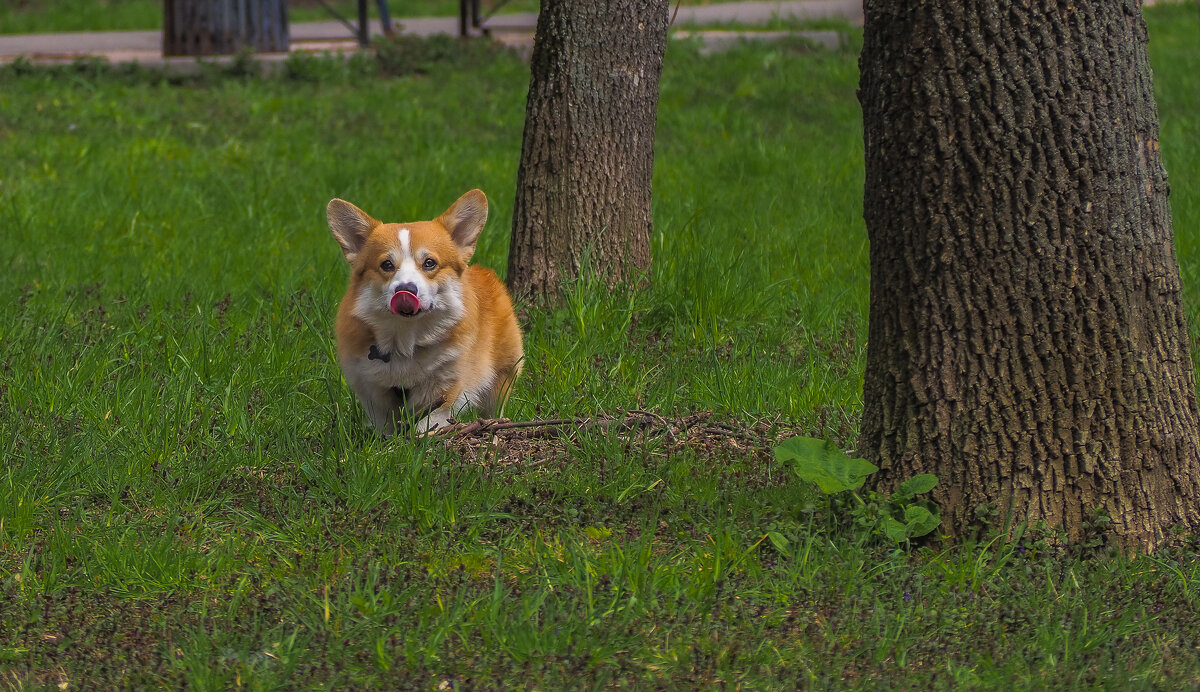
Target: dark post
[217, 27]
[364, 26]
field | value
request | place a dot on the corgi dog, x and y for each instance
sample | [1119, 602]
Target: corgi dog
[422, 335]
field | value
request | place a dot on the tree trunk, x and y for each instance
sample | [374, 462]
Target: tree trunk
[1027, 342]
[219, 27]
[583, 186]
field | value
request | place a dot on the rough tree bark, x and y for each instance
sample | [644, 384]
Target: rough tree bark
[1027, 342]
[220, 27]
[583, 186]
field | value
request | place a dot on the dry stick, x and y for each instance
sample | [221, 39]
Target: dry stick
[464, 429]
[726, 430]
[665, 423]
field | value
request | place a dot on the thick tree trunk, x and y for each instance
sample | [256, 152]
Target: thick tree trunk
[1027, 343]
[583, 186]
[221, 27]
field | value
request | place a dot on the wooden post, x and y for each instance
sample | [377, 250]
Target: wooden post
[217, 27]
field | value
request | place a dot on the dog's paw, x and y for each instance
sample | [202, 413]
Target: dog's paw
[433, 423]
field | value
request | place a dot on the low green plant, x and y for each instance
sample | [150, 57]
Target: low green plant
[898, 516]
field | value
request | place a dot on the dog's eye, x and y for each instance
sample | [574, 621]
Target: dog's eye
[387, 266]
[430, 264]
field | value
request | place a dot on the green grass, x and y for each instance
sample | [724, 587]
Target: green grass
[188, 496]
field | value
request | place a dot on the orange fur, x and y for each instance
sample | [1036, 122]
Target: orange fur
[461, 349]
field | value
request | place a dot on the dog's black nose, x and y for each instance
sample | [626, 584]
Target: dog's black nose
[410, 287]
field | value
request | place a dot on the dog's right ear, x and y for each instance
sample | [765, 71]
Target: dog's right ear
[350, 226]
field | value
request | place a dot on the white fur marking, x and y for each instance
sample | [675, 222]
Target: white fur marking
[408, 273]
[405, 246]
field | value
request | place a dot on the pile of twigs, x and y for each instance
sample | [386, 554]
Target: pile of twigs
[536, 442]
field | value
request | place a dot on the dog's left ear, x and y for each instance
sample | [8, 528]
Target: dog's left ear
[464, 219]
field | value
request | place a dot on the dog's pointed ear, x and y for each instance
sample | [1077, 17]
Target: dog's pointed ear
[464, 219]
[350, 226]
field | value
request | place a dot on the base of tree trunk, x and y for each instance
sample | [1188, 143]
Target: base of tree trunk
[1028, 342]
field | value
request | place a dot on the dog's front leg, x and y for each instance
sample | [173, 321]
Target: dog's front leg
[382, 410]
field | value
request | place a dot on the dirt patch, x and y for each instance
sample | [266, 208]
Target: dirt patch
[526, 444]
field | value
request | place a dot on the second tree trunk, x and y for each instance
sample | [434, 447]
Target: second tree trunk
[583, 186]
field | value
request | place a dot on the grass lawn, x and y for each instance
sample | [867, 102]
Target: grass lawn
[189, 497]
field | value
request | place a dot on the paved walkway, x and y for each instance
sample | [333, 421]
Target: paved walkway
[145, 47]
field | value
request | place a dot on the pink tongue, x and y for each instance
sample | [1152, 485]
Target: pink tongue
[405, 303]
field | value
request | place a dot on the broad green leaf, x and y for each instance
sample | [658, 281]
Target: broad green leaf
[894, 530]
[920, 521]
[920, 483]
[779, 541]
[821, 462]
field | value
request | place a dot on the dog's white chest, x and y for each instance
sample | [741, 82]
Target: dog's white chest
[423, 376]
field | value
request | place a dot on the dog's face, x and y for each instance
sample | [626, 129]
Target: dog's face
[408, 270]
